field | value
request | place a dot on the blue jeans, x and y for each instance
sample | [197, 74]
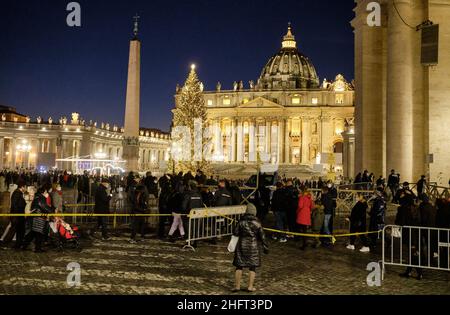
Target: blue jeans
[326, 224]
[281, 221]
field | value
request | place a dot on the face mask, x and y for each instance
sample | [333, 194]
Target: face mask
[45, 194]
[329, 185]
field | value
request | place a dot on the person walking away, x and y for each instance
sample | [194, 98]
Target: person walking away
[37, 227]
[163, 201]
[305, 206]
[279, 210]
[249, 247]
[175, 205]
[102, 201]
[358, 222]
[18, 205]
[376, 223]
[393, 183]
[139, 207]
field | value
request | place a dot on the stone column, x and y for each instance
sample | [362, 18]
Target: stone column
[280, 141]
[13, 152]
[399, 118]
[306, 139]
[2, 152]
[268, 137]
[233, 140]
[287, 153]
[240, 141]
[252, 143]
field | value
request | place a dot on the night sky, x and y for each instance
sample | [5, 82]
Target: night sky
[50, 69]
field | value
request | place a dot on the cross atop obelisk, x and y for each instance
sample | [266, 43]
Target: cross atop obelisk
[136, 26]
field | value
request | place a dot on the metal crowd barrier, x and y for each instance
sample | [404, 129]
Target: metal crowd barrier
[416, 247]
[210, 223]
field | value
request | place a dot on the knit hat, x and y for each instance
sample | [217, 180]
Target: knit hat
[251, 209]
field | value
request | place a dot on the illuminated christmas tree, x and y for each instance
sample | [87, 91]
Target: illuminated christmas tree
[190, 106]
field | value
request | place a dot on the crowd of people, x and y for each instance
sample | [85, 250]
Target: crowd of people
[299, 207]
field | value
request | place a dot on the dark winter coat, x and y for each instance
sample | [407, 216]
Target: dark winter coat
[251, 242]
[278, 200]
[192, 199]
[102, 200]
[377, 213]
[327, 202]
[358, 215]
[18, 203]
[290, 201]
[222, 198]
[235, 195]
[139, 203]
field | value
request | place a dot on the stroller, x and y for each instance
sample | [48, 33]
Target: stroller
[63, 235]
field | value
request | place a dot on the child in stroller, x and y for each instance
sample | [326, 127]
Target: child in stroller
[63, 234]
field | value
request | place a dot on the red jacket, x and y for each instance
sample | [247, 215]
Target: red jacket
[305, 205]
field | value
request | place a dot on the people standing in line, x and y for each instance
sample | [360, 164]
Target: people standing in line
[150, 184]
[358, 222]
[37, 227]
[333, 193]
[380, 181]
[421, 186]
[280, 211]
[249, 247]
[377, 219]
[163, 202]
[236, 195]
[176, 206]
[262, 201]
[393, 184]
[291, 204]
[305, 206]
[138, 207]
[57, 198]
[18, 205]
[102, 202]
[327, 202]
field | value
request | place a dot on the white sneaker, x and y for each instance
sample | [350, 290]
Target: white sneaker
[352, 247]
[283, 240]
[365, 249]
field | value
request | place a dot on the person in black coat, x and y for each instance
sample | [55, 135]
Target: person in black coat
[358, 222]
[102, 200]
[222, 197]
[192, 199]
[139, 206]
[163, 201]
[249, 246]
[18, 205]
[175, 206]
[236, 195]
[279, 210]
[290, 204]
[421, 186]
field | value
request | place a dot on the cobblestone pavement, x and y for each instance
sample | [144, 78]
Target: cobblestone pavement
[157, 267]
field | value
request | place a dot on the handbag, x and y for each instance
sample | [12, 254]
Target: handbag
[396, 232]
[233, 243]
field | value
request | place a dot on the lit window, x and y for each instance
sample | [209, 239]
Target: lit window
[210, 102]
[315, 100]
[226, 101]
[339, 98]
[295, 100]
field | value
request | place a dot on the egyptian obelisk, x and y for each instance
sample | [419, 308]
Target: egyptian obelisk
[131, 132]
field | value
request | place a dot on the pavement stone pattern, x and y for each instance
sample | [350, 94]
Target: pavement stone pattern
[155, 267]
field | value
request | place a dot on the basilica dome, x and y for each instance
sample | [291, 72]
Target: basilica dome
[289, 68]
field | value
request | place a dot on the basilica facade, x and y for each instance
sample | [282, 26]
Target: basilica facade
[288, 115]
